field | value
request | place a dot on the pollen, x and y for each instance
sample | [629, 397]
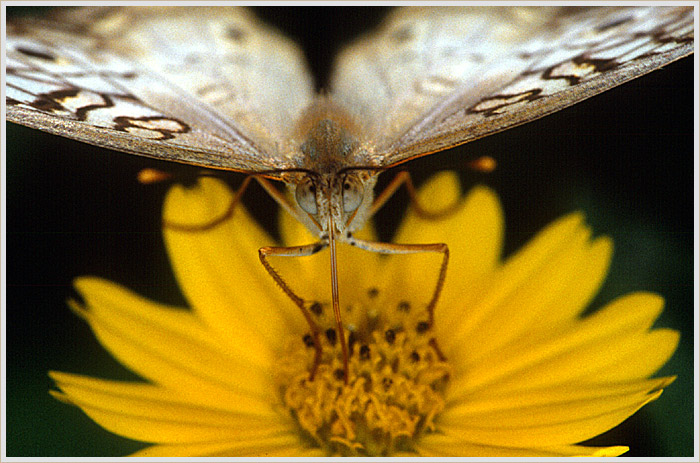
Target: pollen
[395, 389]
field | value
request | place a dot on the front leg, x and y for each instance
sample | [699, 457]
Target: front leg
[216, 221]
[404, 178]
[393, 248]
[295, 251]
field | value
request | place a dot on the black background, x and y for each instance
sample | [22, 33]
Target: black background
[625, 158]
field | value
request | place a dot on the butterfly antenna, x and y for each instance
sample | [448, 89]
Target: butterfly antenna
[336, 298]
[150, 176]
[484, 164]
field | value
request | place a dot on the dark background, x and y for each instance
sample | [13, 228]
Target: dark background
[625, 158]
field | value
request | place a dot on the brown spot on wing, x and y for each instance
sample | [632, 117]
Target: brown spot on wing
[153, 127]
[494, 104]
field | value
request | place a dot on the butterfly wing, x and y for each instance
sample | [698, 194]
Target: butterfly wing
[205, 86]
[433, 78]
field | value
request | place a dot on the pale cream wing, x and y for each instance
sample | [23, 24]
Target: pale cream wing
[206, 86]
[437, 77]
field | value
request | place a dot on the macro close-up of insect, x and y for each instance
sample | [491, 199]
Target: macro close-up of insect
[214, 92]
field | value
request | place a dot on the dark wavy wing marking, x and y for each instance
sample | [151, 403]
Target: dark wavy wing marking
[437, 78]
[184, 84]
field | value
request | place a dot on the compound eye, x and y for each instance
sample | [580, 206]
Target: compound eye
[306, 196]
[353, 191]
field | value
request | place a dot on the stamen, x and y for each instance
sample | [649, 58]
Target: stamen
[308, 340]
[390, 395]
[331, 336]
[422, 327]
[351, 342]
[364, 352]
[316, 308]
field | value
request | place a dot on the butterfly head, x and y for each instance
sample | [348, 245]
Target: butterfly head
[333, 197]
[341, 200]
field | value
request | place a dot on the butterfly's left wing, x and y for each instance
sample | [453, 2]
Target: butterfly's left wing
[209, 86]
[433, 78]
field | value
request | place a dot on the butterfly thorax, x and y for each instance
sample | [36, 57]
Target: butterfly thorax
[333, 184]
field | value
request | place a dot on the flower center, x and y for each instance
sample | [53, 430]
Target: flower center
[396, 379]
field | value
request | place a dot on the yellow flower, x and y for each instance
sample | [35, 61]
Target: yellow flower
[509, 368]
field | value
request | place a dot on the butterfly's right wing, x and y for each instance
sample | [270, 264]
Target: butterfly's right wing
[204, 86]
[436, 77]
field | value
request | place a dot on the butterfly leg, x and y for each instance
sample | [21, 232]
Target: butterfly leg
[296, 251]
[393, 248]
[217, 220]
[404, 178]
[279, 198]
[286, 205]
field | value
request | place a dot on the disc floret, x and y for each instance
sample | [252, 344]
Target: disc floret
[397, 378]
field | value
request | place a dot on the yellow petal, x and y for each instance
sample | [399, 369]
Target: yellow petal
[169, 346]
[645, 359]
[414, 271]
[439, 445]
[150, 413]
[512, 277]
[550, 416]
[475, 243]
[287, 446]
[490, 401]
[598, 343]
[549, 299]
[583, 285]
[219, 271]
[473, 233]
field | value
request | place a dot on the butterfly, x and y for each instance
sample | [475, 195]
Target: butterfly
[216, 88]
